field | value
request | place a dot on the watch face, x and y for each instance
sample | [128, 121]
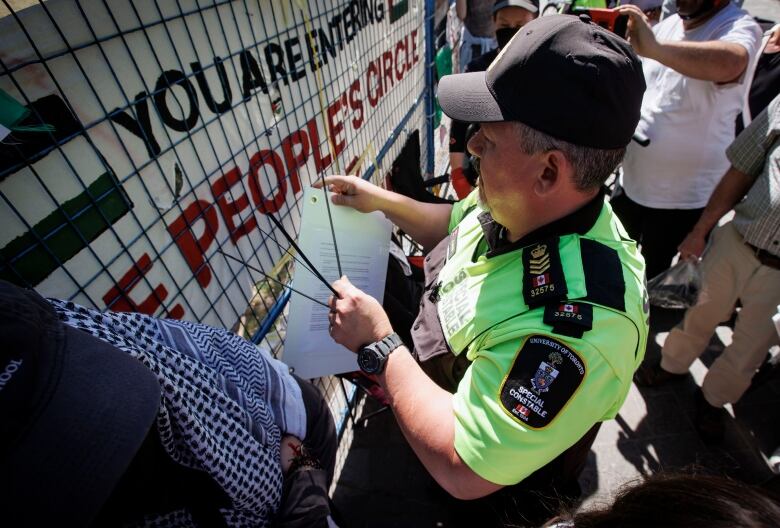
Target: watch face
[368, 361]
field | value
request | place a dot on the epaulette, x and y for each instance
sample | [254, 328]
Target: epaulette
[543, 278]
[544, 284]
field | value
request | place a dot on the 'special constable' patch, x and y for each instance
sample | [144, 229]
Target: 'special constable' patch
[545, 375]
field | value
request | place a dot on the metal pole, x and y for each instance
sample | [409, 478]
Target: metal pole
[271, 317]
[430, 52]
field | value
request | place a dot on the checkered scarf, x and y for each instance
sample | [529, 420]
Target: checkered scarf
[224, 404]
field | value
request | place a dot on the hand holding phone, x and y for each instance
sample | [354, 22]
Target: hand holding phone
[640, 34]
[609, 19]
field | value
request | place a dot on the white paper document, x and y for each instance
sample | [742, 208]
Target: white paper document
[363, 242]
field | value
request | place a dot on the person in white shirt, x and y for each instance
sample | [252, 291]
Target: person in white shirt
[694, 64]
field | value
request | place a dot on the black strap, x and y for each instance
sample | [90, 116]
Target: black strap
[603, 275]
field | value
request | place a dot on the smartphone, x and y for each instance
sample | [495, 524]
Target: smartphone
[606, 18]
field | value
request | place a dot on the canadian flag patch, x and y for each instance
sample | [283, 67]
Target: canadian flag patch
[540, 280]
[570, 308]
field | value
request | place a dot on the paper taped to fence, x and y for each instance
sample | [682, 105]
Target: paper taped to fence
[363, 242]
[145, 136]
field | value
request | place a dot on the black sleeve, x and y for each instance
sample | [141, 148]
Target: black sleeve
[458, 136]
[457, 128]
[304, 500]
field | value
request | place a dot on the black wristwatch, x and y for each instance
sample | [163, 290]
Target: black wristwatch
[372, 358]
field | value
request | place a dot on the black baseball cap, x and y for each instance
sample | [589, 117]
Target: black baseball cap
[74, 411]
[530, 5]
[562, 75]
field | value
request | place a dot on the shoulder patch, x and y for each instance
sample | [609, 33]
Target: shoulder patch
[543, 378]
[543, 278]
[569, 318]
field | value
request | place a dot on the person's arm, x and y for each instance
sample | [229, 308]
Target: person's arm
[426, 223]
[457, 160]
[461, 9]
[727, 194]
[305, 489]
[747, 155]
[717, 61]
[424, 411]
[457, 146]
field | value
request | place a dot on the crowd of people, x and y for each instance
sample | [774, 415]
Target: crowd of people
[527, 329]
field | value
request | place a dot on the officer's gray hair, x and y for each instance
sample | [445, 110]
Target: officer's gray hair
[592, 166]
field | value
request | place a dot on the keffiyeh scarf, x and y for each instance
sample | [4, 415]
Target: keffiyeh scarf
[224, 405]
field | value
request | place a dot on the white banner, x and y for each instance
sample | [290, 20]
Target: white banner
[145, 137]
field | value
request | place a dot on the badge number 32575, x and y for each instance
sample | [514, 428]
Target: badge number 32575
[542, 289]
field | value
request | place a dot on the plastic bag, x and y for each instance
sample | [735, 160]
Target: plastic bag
[676, 288]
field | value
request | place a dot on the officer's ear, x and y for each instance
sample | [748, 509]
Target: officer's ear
[556, 174]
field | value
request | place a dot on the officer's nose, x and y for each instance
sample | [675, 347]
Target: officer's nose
[474, 145]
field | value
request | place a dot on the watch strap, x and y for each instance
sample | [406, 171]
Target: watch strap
[388, 344]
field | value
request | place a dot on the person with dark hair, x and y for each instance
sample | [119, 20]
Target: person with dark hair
[508, 17]
[115, 419]
[681, 501]
[532, 317]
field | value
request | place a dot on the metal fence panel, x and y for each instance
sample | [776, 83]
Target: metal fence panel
[142, 141]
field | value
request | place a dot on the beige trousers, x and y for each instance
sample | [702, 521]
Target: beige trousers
[730, 271]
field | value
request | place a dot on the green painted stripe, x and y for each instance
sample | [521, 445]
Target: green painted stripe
[399, 10]
[27, 254]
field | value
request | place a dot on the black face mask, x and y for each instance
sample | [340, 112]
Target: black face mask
[705, 8]
[504, 35]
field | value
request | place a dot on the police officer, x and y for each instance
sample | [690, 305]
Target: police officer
[533, 317]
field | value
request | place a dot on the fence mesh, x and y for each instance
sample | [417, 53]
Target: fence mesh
[144, 144]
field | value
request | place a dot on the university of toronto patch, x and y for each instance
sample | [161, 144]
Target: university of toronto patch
[545, 375]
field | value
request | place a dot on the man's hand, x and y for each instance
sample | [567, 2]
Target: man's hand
[693, 246]
[353, 192]
[713, 60]
[640, 35]
[426, 223]
[356, 319]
